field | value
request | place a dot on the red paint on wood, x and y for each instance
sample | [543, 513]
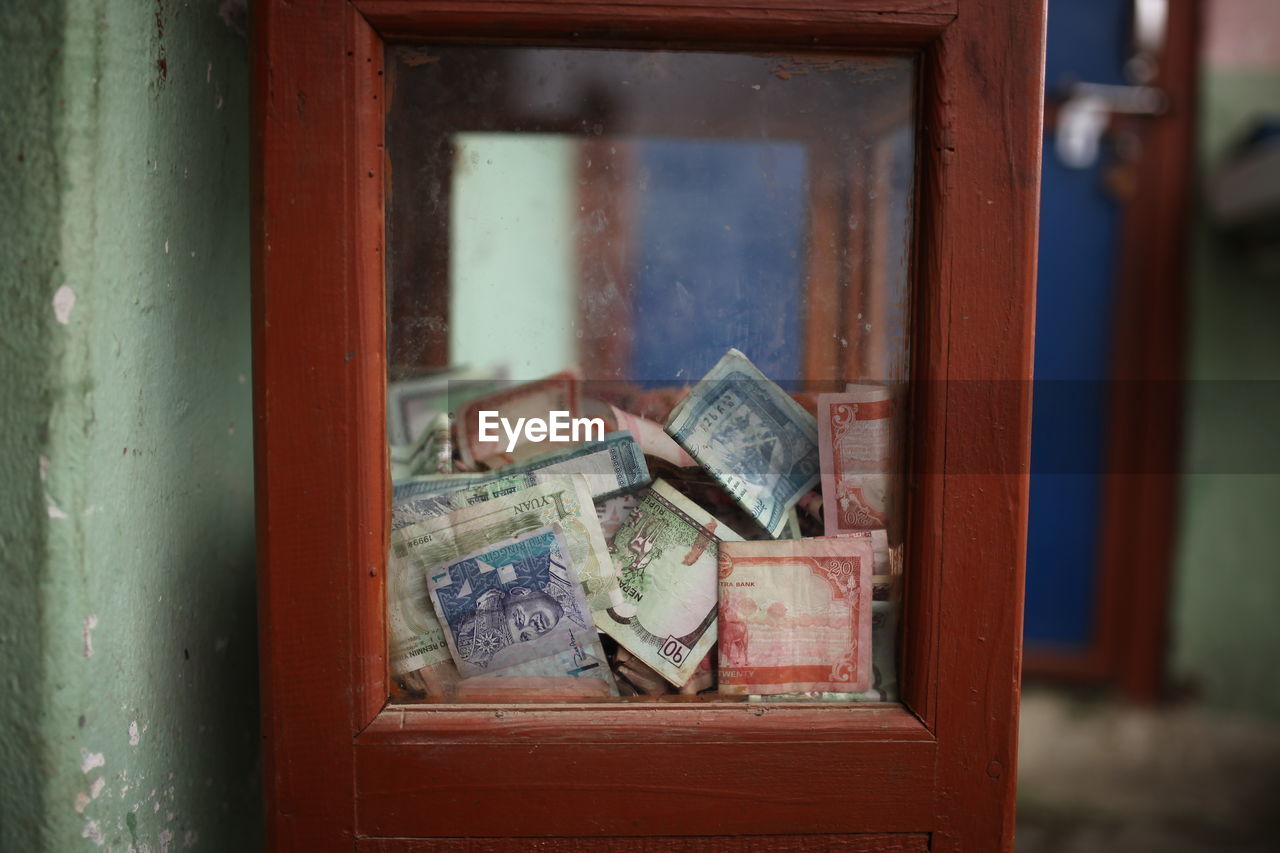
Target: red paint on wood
[709, 769]
[319, 375]
[746, 723]
[692, 788]
[795, 22]
[987, 76]
[870, 843]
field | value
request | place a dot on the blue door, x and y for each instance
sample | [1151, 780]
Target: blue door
[1079, 237]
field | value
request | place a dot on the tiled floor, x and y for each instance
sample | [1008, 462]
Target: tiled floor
[1099, 777]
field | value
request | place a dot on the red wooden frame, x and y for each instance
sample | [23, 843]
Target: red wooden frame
[1140, 491]
[345, 771]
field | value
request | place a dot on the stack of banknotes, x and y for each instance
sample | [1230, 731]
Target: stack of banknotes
[743, 548]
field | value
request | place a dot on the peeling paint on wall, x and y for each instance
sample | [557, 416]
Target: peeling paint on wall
[90, 622]
[91, 760]
[64, 299]
[129, 558]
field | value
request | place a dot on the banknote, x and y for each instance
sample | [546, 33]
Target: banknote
[517, 604]
[855, 430]
[410, 510]
[612, 512]
[884, 667]
[438, 484]
[415, 634]
[648, 682]
[883, 575]
[438, 675]
[810, 503]
[431, 453]
[652, 438]
[666, 554]
[795, 616]
[611, 467]
[412, 402]
[792, 529]
[568, 674]
[556, 393]
[758, 443]
[884, 654]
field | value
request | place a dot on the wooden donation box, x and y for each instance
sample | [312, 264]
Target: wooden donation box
[643, 408]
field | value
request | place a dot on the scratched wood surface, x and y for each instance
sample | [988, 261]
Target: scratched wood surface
[986, 82]
[866, 22]
[315, 365]
[946, 769]
[696, 788]
[868, 843]
[739, 722]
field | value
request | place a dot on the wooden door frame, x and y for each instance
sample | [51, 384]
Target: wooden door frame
[1139, 505]
[345, 771]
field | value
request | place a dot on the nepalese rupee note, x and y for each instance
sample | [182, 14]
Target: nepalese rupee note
[538, 399]
[855, 431]
[612, 512]
[757, 442]
[611, 467]
[666, 554]
[514, 604]
[884, 667]
[415, 635]
[795, 616]
[883, 577]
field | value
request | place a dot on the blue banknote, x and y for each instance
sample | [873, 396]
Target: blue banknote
[757, 442]
[513, 604]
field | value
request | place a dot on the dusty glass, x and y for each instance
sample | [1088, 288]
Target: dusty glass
[589, 232]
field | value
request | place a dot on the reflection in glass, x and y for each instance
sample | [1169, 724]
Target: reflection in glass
[607, 225]
[748, 201]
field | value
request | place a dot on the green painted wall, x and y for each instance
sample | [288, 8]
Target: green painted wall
[1226, 608]
[127, 616]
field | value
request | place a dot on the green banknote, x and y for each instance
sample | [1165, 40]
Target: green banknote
[611, 467]
[666, 553]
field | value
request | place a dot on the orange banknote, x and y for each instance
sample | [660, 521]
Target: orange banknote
[795, 616]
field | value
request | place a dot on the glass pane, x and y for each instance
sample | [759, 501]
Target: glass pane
[643, 304]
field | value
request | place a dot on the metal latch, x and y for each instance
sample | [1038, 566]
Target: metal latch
[1087, 107]
[1087, 111]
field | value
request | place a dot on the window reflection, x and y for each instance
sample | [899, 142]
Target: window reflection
[590, 233]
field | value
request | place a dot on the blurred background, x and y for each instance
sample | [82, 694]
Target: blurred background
[1151, 694]
[1151, 714]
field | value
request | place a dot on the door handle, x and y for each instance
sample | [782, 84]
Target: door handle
[1087, 107]
[1086, 112]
